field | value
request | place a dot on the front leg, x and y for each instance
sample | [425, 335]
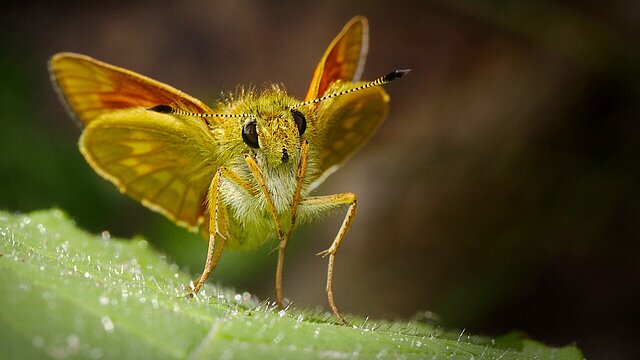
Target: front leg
[217, 223]
[321, 202]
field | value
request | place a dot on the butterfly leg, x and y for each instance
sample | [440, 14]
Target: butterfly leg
[282, 246]
[332, 201]
[217, 223]
[257, 173]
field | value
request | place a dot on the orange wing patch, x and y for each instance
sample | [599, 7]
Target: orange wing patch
[344, 58]
[90, 88]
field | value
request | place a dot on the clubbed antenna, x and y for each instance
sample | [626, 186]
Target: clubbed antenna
[394, 75]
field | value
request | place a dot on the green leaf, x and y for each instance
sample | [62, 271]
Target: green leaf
[67, 293]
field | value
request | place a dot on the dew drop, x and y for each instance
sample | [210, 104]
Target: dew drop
[25, 287]
[107, 324]
[104, 301]
[382, 354]
[278, 338]
[105, 235]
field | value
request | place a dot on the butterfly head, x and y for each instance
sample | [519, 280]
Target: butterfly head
[266, 125]
[276, 135]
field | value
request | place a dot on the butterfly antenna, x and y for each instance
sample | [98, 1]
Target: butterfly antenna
[394, 75]
[168, 109]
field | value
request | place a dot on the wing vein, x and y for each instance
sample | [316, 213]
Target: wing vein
[143, 175]
[163, 187]
[113, 161]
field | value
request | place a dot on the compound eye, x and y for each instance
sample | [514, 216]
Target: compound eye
[301, 122]
[250, 134]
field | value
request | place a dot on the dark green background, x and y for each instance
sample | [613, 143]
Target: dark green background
[502, 193]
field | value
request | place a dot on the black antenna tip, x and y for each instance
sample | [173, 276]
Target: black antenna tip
[163, 109]
[395, 75]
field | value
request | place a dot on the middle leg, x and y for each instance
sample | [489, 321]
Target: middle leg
[331, 201]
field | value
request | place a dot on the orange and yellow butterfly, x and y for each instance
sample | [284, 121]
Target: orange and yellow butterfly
[241, 171]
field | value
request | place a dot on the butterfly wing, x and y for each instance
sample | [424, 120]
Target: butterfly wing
[344, 58]
[347, 122]
[89, 88]
[164, 161]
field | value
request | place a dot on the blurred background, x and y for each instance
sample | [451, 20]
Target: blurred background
[502, 193]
